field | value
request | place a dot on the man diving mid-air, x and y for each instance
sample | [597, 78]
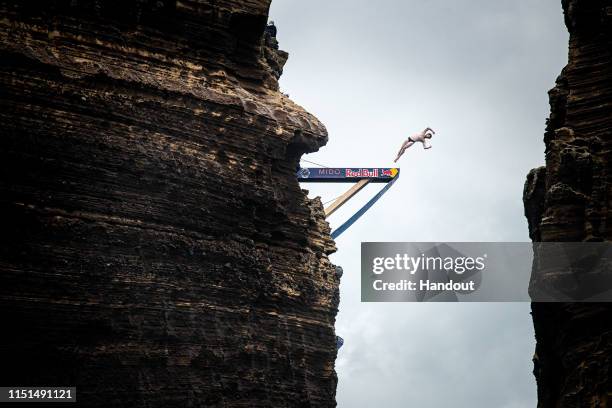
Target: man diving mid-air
[417, 137]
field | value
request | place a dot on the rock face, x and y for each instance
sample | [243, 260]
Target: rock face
[157, 249]
[569, 200]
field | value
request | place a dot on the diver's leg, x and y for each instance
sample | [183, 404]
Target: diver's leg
[406, 145]
[399, 154]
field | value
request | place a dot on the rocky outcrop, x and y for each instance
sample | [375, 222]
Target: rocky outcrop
[569, 200]
[157, 249]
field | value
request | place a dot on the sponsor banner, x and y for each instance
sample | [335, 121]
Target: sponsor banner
[486, 272]
[346, 174]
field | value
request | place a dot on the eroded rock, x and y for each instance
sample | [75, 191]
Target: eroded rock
[573, 360]
[157, 249]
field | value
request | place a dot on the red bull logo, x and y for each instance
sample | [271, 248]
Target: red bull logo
[362, 173]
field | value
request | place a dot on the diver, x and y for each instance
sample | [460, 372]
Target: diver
[416, 137]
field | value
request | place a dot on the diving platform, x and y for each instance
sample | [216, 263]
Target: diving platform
[361, 176]
[346, 174]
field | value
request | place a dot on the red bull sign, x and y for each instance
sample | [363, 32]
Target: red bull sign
[346, 175]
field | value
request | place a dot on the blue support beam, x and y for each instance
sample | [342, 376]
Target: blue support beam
[336, 233]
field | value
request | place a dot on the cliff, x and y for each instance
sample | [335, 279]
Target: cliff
[569, 200]
[156, 248]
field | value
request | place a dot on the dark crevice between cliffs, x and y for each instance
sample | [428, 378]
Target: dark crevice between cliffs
[155, 240]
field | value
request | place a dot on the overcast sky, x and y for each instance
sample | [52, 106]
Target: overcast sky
[478, 72]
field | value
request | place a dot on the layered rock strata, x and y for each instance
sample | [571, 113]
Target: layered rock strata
[569, 200]
[157, 249]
